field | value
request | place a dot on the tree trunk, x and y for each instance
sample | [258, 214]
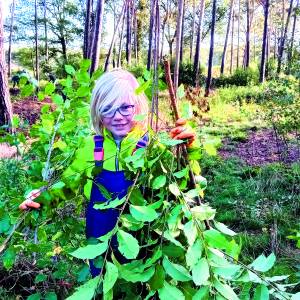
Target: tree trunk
[129, 32]
[263, 52]
[95, 53]
[112, 44]
[226, 38]
[247, 46]
[211, 50]
[281, 48]
[87, 29]
[36, 42]
[149, 59]
[10, 36]
[238, 37]
[5, 104]
[182, 33]
[193, 31]
[232, 36]
[178, 43]
[290, 52]
[46, 32]
[198, 43]
[121, 39]
[135, 35]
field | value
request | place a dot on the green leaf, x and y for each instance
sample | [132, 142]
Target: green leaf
[40, 278]
[262, 263]
[176, 271]
[90, 251]
[86, 291]
[157, 280]
[4, 223]
[83, 91]
[111, 204]
[58, 185]
[128, 245]
[203, 212]
[50, 296]
[49, 88]
[110, 278]
[143, 213]
[190, 232]
[83, 273]
[296, 296]
[261, 293]
[159, 182]
[69, 69]
[58, 99]
[245, 292]
[200, 272]
[143, 87]
[36, 296]
[224, 229]
[180, 92]
[227, 272]
[182, 173]
[85, 64]
[225, 290]
[194, 253]
[174, 189]
[202, 294]
[169, 292]
[140, 117]
[9, 258]
[131, 276]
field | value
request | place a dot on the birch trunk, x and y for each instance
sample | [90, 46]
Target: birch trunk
[182, 34]
[129, 32]
[247, 47]
[193, 31]
[36, 42]
[232, 39]
[149, 57]
[46, 32]
[238, 37]
[121, 40]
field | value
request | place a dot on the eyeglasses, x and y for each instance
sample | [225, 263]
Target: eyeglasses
[124, 110]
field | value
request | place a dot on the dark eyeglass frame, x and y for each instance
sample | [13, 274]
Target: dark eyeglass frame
[104, 115]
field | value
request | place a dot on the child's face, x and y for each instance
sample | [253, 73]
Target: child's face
[119, 121]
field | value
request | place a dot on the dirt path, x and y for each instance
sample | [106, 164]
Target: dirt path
[261, 147]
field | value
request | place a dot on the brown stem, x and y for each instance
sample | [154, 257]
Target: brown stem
[176, 115]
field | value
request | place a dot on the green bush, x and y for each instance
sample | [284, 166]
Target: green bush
[240, 77]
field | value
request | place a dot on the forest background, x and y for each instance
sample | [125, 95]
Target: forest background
[235, 67]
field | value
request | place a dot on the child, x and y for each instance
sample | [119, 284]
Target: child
[114, 105]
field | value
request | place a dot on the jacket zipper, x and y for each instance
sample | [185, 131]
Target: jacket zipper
[117, 155]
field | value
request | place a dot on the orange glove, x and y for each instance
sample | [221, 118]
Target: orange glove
[181, 133]
[29, 203]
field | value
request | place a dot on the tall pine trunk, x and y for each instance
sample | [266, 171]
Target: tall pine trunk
[182, 34]
[247, 46]
[135, 36]
[290, 52]
[149, 57]
[262, 72]
[46, 32]
[87, 29]
[10, 36]
[232, 40]
[121, 40]
[95, 53]
[198, 43]
[129, 32]
[211, 50]
[5, 104]
[178, 43]
[112, 44]
[238, 37]
[37, 73]
[226, 37]
[281, 48]
[193, 31]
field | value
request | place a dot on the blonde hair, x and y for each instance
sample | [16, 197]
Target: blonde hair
[111, 87]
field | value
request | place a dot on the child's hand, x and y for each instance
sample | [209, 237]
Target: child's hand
[183, 133]
[29, 203]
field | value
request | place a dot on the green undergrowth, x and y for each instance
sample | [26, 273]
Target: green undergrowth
[261, 203]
